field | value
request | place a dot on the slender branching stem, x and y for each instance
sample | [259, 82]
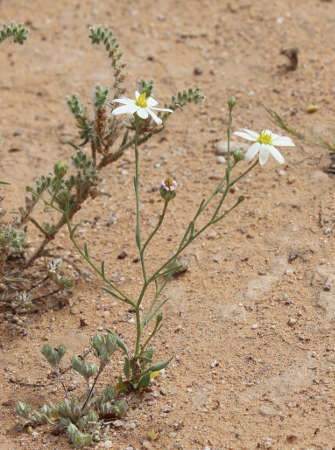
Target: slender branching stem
[101, 368]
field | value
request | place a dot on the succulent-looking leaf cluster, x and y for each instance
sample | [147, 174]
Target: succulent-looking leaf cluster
[81, 418]
[18, 32]
[11, 239]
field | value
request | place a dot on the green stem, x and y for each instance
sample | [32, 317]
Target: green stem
[136, 183]
[84, 254]
[160, 221]
[186, 240]
[151, 335]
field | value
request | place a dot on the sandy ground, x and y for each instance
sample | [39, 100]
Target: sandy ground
[251, 328]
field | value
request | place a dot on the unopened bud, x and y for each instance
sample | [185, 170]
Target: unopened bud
[60, 169]
[231, 103]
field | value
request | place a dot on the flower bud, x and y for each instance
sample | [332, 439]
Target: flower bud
[231, 103]
[168, 189]
[60, 169]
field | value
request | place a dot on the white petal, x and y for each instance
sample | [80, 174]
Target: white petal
[162, 109]
[276, 154]
[124, 101]
[125, 109]
[151, 102]
[155, 117]
[142, 112]
[252, 151]
[264, 153]
[137, 94]
[245, 135]
[253, 134]
[284, 141]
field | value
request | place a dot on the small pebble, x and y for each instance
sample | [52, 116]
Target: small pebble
[122, 255]
[327, 286]
[221, 160]
[291, 322]
[108, 444]
[254, 326]
[118, 424]
[289, 272]
[221, 147]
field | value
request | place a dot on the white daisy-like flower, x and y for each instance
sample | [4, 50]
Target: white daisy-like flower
[143, 106]
[265, 142]
[169, 185]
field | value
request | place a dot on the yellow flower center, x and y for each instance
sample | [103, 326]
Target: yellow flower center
[141, 100]
[265, 138]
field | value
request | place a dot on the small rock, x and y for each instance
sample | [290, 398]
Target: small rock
[221, 147]
[292, 256]
[254, 326]
[118, 424]
[197, 71]
[146, 444]
[221, 160]
[122, 255]
[172, 435]
[212, 235]
[214, 364]
[327, 286]
[167, 409]
[267, 411]
[289, 272]
[106, 314]
[291, 438]
[108, 444]
[291, 322]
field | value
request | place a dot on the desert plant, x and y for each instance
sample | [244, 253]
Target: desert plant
[84, 417]
[71, 185]
[18, 32]
[139, 366]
